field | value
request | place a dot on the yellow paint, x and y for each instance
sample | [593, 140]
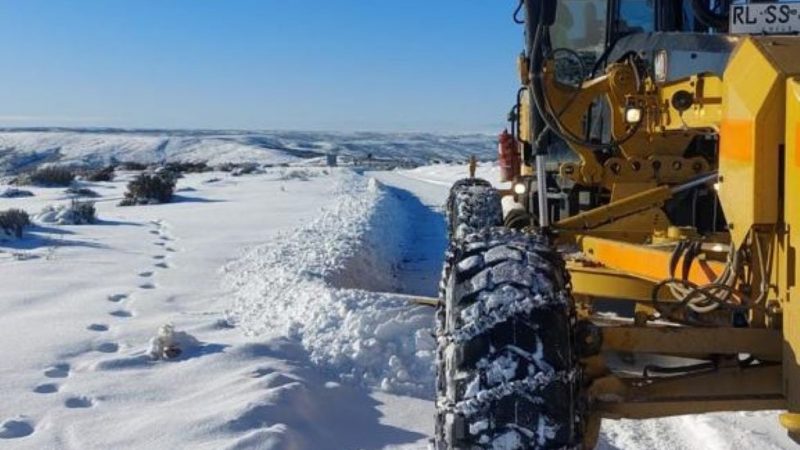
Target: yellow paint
[785, 260]
[791, 422]
[739, 136]
[648, 263]
[797, 144]
[752, 130]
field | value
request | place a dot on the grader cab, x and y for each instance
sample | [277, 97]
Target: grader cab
[652, 274]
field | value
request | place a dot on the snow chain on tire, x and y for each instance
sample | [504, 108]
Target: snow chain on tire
[507, 371]
[473, 204]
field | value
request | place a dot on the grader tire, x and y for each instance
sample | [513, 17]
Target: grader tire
[507, 370]
[473, 204]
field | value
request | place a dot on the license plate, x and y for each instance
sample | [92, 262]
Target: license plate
[769, 18]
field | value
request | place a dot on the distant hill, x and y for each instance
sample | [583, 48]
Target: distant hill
[23, 149]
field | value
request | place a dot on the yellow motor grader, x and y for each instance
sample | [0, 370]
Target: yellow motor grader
[654, 273]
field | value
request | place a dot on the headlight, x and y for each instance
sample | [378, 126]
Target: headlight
[660, 66]
[520, 188]
[633, 115]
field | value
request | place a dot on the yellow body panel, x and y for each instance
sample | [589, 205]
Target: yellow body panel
[787, 267]
[752, 132]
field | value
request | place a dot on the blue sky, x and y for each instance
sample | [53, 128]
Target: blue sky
[430, 65]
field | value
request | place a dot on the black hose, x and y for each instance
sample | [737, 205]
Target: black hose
[516, 18]
[688, 258]
[703, 293]
[676, 256]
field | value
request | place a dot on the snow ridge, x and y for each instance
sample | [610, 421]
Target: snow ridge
[322, 284]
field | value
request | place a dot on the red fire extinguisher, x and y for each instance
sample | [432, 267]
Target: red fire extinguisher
[509, 157]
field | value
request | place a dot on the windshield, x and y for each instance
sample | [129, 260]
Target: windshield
[580, 25]
[635, 16]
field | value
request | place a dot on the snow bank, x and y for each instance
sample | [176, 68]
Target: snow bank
[316, 285]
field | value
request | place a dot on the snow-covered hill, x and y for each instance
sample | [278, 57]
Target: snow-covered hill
[22, 149]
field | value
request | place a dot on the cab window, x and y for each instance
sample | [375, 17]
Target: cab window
[635, 16]
[580, 25]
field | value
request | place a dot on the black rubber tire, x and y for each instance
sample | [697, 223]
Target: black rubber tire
[473, 204]
[507, 370]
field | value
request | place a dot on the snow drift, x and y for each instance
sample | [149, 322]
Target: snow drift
[323, 285]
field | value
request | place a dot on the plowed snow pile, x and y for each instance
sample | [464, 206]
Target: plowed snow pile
[322, 284]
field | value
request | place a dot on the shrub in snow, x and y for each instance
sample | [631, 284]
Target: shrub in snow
[132, 165]
[239, 169]
[104, 174]
[13, 222]
[76, 213]
[187, 167]
[226, 167]
[81, 192]
[150, 188]
[169, 344]
[246, 169]
[51, 176]
[15, 193]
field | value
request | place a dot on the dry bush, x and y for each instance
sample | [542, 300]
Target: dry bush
[13, 222]
[104, 174]
[150, 188]
[50, 176]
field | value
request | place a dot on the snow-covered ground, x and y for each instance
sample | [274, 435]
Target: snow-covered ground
[292, 289]
[22, 149]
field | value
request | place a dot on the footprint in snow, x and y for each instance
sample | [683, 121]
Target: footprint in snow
[159, 257]
[146, 274]
[16, 428]
[170, 249]
[117, 297]
[46, 388]
[165, 238]
[147, 286]
[155, 232]
[99, 327]
[60, 370]
[108, 347]
[162, 265]
[79, 402]
[159, 243]
[261, 372]
[121, 313]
